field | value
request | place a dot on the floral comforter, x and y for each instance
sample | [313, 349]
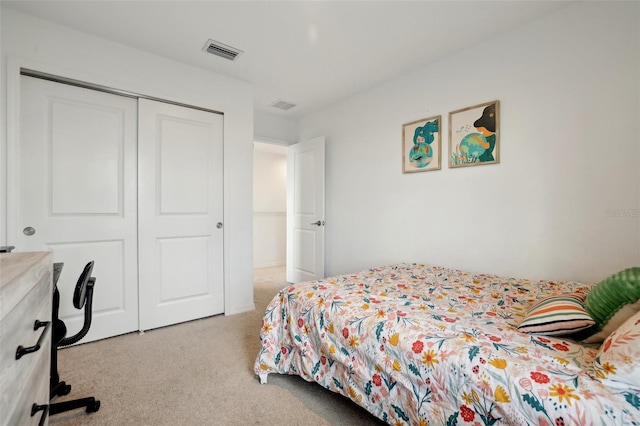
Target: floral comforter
[424, 345]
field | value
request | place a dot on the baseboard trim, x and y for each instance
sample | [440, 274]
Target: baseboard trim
[240, 310]
[269, 264]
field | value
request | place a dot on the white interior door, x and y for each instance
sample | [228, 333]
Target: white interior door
[180, 214]
[76, 196]
[305, 211]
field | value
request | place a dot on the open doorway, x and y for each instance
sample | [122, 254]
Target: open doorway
[269, 213]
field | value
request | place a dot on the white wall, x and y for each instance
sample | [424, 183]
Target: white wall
[37, 44]
[569, 92]
[274, 128]
[269, 205]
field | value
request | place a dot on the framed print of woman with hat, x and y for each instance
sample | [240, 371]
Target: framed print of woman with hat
[474, 135]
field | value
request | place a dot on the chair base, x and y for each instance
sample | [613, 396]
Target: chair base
[62, 388]
[58, 387]
[91, 404]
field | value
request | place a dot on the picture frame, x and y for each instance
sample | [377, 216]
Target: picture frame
[421, 145]
[474, 135]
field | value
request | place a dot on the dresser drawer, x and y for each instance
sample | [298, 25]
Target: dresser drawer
[25, 380]
[36, 392]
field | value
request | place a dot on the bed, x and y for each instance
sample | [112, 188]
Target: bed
[419, 344]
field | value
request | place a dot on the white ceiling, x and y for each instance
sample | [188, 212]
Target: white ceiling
[312, 53]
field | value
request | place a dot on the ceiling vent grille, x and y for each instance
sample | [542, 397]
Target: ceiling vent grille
[283, 105]
[222, 50]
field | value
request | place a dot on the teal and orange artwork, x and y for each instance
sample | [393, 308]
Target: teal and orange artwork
[474, 135]
[421, 153]
[472, 146]
[421, 145]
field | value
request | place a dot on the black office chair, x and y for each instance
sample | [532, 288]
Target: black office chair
[83, 296]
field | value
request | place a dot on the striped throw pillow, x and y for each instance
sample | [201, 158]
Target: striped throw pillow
[557, 315]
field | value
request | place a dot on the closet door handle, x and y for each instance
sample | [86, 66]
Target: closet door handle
[45, 410]
[21, 351]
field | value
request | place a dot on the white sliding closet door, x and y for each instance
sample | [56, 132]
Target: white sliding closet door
[180, 214]
[75, 195]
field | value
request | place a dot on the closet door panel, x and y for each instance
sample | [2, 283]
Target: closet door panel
[184, 153]
[96, 154]
[180, 205]
[77, 196]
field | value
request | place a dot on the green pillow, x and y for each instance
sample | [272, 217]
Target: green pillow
[612, 301]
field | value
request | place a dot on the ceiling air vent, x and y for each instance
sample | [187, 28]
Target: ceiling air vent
[283, 105]
[222, 50]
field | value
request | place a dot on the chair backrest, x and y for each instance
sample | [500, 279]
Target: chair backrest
[80, 294]
[82, 298]
[57, 271]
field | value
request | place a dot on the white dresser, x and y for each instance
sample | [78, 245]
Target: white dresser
[25, 337]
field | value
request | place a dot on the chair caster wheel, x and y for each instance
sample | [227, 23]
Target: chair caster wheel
[61, 389]
[93, 407]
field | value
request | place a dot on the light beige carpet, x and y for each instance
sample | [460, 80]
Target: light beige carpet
[196, 373]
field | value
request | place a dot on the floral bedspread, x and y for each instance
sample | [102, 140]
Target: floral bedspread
[424, 345]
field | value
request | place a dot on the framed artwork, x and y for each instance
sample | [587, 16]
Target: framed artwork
[474, 136]
[421, 150]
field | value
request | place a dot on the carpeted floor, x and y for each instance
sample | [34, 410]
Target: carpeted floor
[196, 373]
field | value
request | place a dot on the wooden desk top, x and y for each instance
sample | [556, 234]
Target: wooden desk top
[19, 272]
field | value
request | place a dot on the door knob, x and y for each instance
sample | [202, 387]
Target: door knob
[28, 231]
[318, 223]
[219, 225]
